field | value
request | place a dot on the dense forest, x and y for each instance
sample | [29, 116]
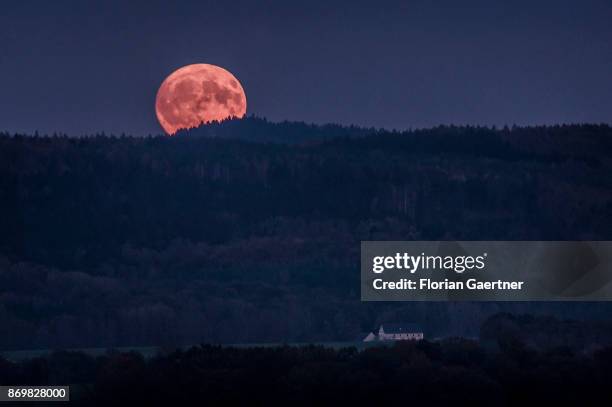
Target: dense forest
[249, 231]
[453, 371]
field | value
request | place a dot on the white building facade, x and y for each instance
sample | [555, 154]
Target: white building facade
[400, 332]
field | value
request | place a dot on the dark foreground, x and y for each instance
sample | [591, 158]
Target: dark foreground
[454, 371]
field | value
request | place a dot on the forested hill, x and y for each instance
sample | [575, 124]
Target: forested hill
[574, 140]
[261, 130]
[562, 140]
[122, 241]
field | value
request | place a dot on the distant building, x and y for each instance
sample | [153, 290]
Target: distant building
[395, 332]
[400, 332]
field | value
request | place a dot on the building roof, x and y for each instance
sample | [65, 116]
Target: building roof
[369, 337]
[401, 328]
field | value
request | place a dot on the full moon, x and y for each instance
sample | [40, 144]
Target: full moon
[198, 93]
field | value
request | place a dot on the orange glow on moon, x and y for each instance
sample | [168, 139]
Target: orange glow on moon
[198, 93]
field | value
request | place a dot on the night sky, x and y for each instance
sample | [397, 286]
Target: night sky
[84, 67]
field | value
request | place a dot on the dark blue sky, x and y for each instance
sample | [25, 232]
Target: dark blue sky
[81, 67]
